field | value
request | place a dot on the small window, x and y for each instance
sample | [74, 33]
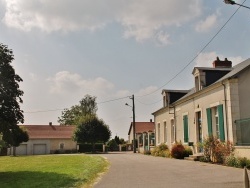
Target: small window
[165, 132]
[61, 146]
[159, 132]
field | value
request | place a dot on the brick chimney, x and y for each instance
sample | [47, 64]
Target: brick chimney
[222, 64]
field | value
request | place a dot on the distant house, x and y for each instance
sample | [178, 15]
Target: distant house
[144, 134]
[218, 105]
[47, 139]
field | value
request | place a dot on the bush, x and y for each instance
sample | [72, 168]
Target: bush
[85, 147]
[147, 152]
[178, 151]
[238, 162]
[244, 162]
[161, 151]
[188, 151]
[231, 160]
[216, 150]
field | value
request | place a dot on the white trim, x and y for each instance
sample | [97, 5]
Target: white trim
[214, 104]
[185, 114]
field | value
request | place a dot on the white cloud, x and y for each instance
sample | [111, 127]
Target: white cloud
[207, 24]
[141, 19]
[66, 82]
[206, 59]
[162, 38]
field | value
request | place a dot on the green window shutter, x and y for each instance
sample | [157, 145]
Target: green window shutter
[185, 128]
[209, 122]
[221, 122]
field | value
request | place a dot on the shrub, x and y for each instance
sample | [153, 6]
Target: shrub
[147, 152]
[178, 151]
[188, 151]
[216, 150]
[244, 162]
[238, 162]
[161, 151]
[231, 160]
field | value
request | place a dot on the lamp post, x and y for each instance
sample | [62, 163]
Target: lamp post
[133, 109]
[231, 2]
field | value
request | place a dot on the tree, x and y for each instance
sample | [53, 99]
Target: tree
[92, 130]
[10, 96]
[19, 135]
[76, 114]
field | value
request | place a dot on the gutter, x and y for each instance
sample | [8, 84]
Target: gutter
[225, 101]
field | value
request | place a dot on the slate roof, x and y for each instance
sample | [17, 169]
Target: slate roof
[235, 71]
[141, 127]
[49, 131]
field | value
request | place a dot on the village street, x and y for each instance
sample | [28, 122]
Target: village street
[136, 170]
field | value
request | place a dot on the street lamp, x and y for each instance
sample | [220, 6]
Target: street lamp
[231, 2]
[133, 109]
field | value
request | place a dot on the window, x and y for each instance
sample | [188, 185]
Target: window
[172, 131]
[165, 132]
[197, 85]
[61, 146]
[185, 128]
[159, 131]
[215, 122]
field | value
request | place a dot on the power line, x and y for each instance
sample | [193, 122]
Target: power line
[51, 110]
[178, 73]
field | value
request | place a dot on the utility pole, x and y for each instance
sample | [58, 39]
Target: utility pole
[133, 108]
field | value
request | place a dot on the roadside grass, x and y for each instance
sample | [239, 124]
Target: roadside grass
[50, 171]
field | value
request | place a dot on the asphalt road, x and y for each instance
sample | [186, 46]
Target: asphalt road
[128, 170]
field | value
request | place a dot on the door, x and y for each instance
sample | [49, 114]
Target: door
[199, 129]
[39, 149]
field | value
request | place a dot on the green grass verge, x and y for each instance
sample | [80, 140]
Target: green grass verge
[50, 171]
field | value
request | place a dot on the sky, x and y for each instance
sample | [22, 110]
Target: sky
[113, 49]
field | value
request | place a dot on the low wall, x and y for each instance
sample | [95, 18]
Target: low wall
[242, 151]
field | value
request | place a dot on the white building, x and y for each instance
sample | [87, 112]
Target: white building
[218, 105]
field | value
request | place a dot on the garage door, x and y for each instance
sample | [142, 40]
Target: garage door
[22, 149]
[39, 149]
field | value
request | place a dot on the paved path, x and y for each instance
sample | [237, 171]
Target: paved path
[129, 170]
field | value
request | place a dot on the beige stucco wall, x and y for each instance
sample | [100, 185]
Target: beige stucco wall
[68, 144]
[200, 102]
[232, 93]
[244, 91]
[242, 151]
[50, 144]
[164, 116]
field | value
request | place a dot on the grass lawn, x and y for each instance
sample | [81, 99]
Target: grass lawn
[50, 171]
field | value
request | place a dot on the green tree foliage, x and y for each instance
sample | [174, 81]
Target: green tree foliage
[92, 130]
[77, 113]
[10, 97]
[113, 146]
[117, 140]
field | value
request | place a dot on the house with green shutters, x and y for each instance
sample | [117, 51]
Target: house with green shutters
[218, 104]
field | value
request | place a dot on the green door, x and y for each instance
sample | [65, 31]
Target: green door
[185, 128]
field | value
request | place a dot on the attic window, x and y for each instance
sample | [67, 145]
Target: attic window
[197, 88]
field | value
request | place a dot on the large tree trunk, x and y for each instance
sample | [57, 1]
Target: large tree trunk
[14, 150]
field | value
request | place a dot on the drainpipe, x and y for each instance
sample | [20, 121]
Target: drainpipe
[225, 101]
[175, 126]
